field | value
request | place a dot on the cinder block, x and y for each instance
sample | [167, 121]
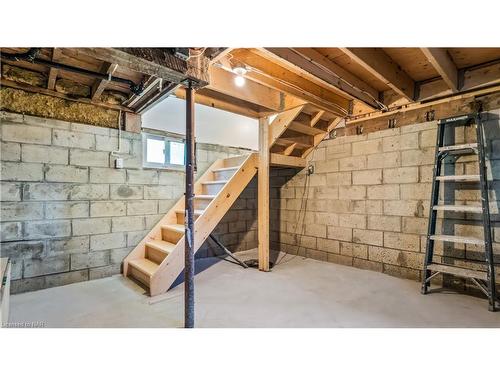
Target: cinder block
[23, 249]
[165, 205]
[108, 208]
[132, 160]
[326, 166]
[373, 146]
[401, 272]
[10, 231]
[89, 260]
[369, 237]
[126, 192]
[338, 233]
[352, 221]
[142, 207]
[367, 265]
[418, 157]
[89, 192]
[71, 245]
[144, 177]
[416, 191]
[307, 241]
[117, 255]
[352, 192]
[402, 175]
[417, 225]
[409, 242]
[107, 241]
[46, 266]
[327, 245]
[152, 220]
[91, 129]
[428, 138]
[106, 271]
[66, 173]
[12, 171]
[107, 143]
[383, 192]
[10, 151]
[107, 175]
[44, 154]
[400, 142]
[134, 237]
[66, 278]
[73, 139]
[316, 230]
[10, 192]
[91, 226]
[26, 134]
[386, 223]
[159, 192]
[46, 122]
[47, 229]
[384, 160]
[66, 210]
[337, 151]
[128, 223]
[13, 211]
[342, 178]
[406, 208]
[172, 178]
[46, 192]
[353, 163]
[340, 259]
[371, 177]
[89, 158]
[11, 117]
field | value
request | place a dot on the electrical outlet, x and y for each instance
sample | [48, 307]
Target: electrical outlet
[118, 163]
[310, 169]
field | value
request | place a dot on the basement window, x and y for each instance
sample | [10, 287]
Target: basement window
[163, 152]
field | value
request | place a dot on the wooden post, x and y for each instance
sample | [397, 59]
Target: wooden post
[263, 194]
[189, 213]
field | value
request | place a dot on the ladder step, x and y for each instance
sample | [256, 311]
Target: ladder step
[458, 271]
[457, 239]
[464, 146]
[457, 208]
[465, 177]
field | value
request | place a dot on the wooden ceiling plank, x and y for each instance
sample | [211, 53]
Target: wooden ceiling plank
[379, 64]
[100, 84]
[444, 65]
[317, 70]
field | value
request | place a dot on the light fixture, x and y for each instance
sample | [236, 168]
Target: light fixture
[240, 70]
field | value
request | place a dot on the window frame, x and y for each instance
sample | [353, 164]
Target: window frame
[167, 140]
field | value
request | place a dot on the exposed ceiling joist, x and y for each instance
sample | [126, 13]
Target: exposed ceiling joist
[100, 84]
[222, 81]
[379, 64]
[279, 78]
[444, 65]
[317, 66]
[51, 81]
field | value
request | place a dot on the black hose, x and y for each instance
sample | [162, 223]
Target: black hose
[32, 56]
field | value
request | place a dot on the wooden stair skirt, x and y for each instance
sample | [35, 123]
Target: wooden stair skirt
[159, 258]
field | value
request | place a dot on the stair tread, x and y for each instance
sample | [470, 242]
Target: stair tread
[161, 245]
[144, 265]
[301, 128]
[457, 239]
[216, 182]
[204, 196]
[225, 169]
[463, 177]
[458, 271]
[459, 208]
[464, 146]
[196, 212]
[175, 227]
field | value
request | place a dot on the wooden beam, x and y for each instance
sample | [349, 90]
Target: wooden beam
[281, 122]
[100, 84]
[263, 194]
[280, 78]
[325, 71]
[444, 65]
[378, 63]
[222, 81]
[278, 160]
[51, 81]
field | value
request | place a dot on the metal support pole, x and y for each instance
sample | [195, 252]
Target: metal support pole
[189, 212]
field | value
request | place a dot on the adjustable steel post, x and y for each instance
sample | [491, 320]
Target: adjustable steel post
[189, 211]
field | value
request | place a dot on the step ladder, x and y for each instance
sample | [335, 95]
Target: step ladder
[485, 280]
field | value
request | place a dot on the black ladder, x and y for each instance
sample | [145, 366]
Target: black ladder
[485, 280]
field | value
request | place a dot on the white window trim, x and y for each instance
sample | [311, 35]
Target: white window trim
[167, 140]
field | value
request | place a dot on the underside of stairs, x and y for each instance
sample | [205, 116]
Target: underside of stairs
[158, 259]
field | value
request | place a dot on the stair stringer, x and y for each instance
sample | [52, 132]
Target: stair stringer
[170, 217]
[173, 264]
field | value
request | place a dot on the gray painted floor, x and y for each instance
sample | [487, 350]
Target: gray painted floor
[297, 293]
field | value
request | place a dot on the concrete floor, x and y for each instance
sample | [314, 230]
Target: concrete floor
[297, 293]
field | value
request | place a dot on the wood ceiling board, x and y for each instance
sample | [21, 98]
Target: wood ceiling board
[413, 62]
[348, 64]
[444, 65]
[330, 53]
[27, 65]
[465, 57]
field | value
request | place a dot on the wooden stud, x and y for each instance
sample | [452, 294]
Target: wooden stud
[378, 63]
[263, 194]
[100, 84]
[444, 65]
[51, 81]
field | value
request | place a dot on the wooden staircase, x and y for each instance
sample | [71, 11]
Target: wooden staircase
[159, 258]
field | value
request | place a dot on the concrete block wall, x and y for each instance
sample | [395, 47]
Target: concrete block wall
[67, 215]
[367, 204]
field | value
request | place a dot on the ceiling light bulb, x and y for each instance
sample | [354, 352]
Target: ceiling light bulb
[239, 81]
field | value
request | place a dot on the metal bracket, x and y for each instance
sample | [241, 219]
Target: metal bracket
[391, 123]
[430, 115]
[359, 130]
